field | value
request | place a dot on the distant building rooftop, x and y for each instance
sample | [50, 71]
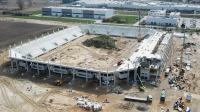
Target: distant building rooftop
[175, 14]
[80, 8]
[157, 13]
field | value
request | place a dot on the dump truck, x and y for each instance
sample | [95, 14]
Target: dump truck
[148, 99]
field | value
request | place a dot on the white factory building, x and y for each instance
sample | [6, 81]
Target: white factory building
[77, 12]
[142, 5]
[160, 18]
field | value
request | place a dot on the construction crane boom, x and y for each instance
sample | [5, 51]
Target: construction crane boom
[182, 51]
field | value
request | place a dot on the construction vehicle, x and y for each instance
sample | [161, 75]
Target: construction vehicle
[148, 99]
[162, 96]
[154, 83]
[179, 105]
[141, 85]
[189, 97]
[59, 82]
[167, 71]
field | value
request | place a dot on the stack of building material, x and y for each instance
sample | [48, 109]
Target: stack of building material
[88, 105]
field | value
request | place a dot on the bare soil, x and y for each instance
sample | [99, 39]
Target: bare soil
[77, 55]
[14, 32]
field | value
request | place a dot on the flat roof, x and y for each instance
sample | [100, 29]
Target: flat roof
[158, 11]
[141, 3]
[80, 8]
[175, 14]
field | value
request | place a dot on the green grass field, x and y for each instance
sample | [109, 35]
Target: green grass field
[122, 19]
[123, 12]
[36, 12]
[59, 19]
[102, 41]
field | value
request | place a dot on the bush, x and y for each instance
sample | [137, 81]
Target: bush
[122, 19]
[116, 19]
[101, 41]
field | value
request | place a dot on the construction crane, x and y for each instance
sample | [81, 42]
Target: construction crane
[139, 27]
[182, 51]
[141, 85]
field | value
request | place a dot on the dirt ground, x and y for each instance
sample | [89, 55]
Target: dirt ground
[191, 81]
[15, 32]
[191, 55]
[36, 4]
[77, 55]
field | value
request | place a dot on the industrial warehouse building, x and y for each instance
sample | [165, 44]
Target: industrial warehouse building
[143, 5]
[75, 12]
[68, 1]
[146, 61]
[160, 18]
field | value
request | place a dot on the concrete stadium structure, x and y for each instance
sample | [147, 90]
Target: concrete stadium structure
[92, 13]
[143, 5]
[151, 54]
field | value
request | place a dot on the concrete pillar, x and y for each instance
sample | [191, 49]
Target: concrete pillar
[99, 79]
[157, 74]
[86, 76]
[73, 71]
[114, 75]
[61, 74]
[128, 75]
[27, 67]
[17, 65]
[107, 79]
[49, 70]
[12, 66]
[135, 75]
[38, 71]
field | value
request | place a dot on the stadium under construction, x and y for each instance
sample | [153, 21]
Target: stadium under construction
[53, 54]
